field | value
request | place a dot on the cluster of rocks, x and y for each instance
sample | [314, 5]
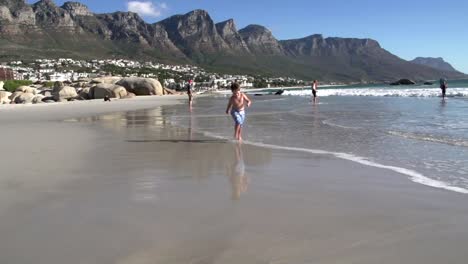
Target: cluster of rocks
[98, 88]
[403, 82]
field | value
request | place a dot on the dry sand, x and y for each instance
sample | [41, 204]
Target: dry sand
[129, 188]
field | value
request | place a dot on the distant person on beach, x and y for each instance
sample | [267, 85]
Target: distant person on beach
[236, 107]
[443, 86]
[314, 90]
[189, 88]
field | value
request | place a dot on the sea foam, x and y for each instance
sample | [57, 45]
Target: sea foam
[379, 92]
[413, 175]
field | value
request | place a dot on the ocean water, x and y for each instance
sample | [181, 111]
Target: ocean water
[410, 130]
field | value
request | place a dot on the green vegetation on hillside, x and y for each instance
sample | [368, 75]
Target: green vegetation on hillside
[11, 85]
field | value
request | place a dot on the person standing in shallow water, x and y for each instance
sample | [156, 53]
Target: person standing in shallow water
[189, 92]
[443, 87]
[236, 107]
[314, 90]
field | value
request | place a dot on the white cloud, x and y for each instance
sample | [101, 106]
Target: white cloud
[146, 8]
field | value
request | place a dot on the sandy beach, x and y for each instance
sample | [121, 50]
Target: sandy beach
[117, 182]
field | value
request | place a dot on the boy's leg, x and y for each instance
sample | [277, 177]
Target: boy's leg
[236, 131]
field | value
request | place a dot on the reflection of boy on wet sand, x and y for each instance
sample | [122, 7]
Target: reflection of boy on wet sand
[239, 181]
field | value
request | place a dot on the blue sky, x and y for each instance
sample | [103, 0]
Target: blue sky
[407, 28]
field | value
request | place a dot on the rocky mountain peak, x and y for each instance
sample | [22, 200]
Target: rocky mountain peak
[255, 30]
[44, 4]
[51, 16]
[77, 9]
[123, 17]
[195, 24]
[371, 43]
[197, 20]
[227, 30]
[194, 38]
[197, 13]
[260, 39]
[127, 26]
[226, 27]
[436, 63]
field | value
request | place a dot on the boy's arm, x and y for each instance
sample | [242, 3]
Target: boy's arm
[248, 100]
[229, 105]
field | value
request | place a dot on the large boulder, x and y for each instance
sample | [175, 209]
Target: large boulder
[46, 93]
[107, 80]
[38, 99]
[13, 96]
[403, 82]
[85, 94]
[129, 96]
[48, 99]
[4, 97]
[64, 93]
[142, 86]
[24, 98]
[120, 92]
[113, 91]
[57, 86]
[26, 89]
[80, 84]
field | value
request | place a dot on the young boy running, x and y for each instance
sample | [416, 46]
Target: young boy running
[236, 107]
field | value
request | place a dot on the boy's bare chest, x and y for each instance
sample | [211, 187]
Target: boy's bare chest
[238, 101]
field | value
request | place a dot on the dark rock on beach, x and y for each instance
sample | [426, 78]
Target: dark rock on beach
[403, 82]
[279, 92]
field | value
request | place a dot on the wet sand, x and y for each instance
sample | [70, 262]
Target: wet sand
[129, 188]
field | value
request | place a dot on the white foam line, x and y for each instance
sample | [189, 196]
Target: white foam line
[413, 175]
[384, 91]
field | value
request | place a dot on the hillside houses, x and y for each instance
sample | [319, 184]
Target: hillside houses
[173, 76]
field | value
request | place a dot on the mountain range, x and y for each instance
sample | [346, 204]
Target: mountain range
[45, 30]
[436, 63]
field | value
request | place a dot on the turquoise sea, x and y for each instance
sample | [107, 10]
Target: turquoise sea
[408, 129]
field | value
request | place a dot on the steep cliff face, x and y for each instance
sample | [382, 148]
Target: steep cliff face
[47, 30]
[5, 15]
[50, 16]
[159, 39]
[13, 5]
[194, 33]
[228, 31]
[126, 26]
[77, 9]
[260, 40]
[316, 45]
[16, 17]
